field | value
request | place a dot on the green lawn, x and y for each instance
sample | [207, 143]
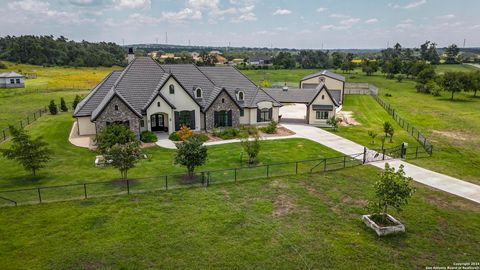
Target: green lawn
[304, 222]
[280, 76]
[463, 68]
[452, 126]
[71, 164]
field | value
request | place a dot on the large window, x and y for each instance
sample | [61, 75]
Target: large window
[265, 115]
[172, 89]
[322, 115]
[18, 80]
[12, 81]
[184, 119]
[223, 119]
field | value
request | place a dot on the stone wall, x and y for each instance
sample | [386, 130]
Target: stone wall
[124, 113]
[227, 105]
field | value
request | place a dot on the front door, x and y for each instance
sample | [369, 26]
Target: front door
[157, 122]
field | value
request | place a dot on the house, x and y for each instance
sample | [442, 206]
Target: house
[260, 60]
[12, 80]
[335, 83]
[160, 97]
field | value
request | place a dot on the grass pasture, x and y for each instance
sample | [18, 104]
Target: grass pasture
[304, 222]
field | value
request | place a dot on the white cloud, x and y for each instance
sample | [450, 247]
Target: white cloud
[372, 20]
[349, 22]
[409, 5]
[404, 26]
[246, 17]
[446, 17]
[408, 21]
[203, 4]
[132, 3]
[41, 11]
[182, 15]
[281, 28]
[340, 16]
[321, 9]
[282, 12]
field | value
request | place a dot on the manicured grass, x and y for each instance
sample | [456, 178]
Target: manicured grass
[450, 125]
[280, 76]
[71, 164]
[308, 221]
[463, 68]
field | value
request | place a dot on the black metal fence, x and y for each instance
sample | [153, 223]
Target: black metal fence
[413, 131]
[174, 181]
[32, 117]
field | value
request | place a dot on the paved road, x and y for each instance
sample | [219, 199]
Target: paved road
[430, 178]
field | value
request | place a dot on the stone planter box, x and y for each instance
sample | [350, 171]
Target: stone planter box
[381, 231]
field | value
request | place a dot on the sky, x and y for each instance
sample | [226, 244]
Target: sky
[303, 24]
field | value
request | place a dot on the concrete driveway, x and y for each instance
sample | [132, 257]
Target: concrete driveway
[294, 112]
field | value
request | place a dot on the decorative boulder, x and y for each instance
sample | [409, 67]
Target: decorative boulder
[398, 227]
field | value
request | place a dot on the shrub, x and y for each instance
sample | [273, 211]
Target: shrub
[333, 122]
[3, 65]
[201, 137]
[76, 101]
[393, 189]
[184, 133]
[174, 137]
[52, 107]
[63, 105]
[251, 147]
[148, 137]
[227, 133]
[271, 128]
[113, 134]
[400, 77]
[388, 94]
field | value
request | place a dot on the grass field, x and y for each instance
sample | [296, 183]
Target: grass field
[303, 222]
[463, 68]
[450, 125]
[71, 164]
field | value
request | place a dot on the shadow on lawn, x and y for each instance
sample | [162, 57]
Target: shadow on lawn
[25, 181]
[457, 100]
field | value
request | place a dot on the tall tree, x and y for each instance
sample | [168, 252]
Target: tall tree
[451, 82]
[124, 156]
[32, 154]
[452, 52]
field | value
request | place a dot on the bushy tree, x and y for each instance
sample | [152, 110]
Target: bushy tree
[52, 107]
[451, 82]
[76, 101]
[388, 130]
[393, 189]
[124, 156]
[452, 52]
[284, 60]
[333, 122]
[251, 147]
[191, 153]
[369, 67]
[112, 135]
[63, 105]
[32, 154]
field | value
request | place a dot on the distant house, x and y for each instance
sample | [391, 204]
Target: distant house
[12, 80]
[260, 60]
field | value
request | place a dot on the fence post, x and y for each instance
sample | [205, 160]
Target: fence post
[296, 167]
[208, 179]
[416, 152]
[28, 120]
[364, 155]
[383, 154]
[166, 182]
[21, 124]
[344, 161]
[39, 195]
[128, 187]
[235, 174]
[4, 135]
[85, 190]
[268, 170]
[34, 116]
[324, 164]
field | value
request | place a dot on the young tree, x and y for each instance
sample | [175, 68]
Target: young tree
[372, 135]
[63, 105]
[251, 147]
[52, 107]
[393, 189]
[112, 135]
[32, 154]
[452, 52]
[451, 82]
[333, 122]
[124, 156]
[191, 153]
[76, 101]
[475, 77]
[388, 129]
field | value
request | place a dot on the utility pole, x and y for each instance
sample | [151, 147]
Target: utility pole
[464, 42]
[166, 37]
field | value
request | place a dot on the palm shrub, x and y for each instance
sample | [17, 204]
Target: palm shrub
[393, 189]
[52, 108]
[32, 154]
[191, 154]
[63, 105]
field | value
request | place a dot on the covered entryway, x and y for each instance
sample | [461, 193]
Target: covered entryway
[159, 122]
[293, 113]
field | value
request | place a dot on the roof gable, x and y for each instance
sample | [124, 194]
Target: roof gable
[326, 73]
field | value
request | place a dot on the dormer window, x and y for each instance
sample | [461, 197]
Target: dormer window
[322, 79]
[172, 89]
[240, 96]
[198, 93]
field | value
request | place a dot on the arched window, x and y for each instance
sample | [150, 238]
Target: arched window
[116, 107]
[158, 104]
[198, 93]
[240, 96]
[223, 100]
[172, 89]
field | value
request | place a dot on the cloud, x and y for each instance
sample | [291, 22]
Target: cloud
[281, 28]
[246, 17]
[372, 20]
[409, 5]
[41, 11]
[403, 26]
[340, 16]
[446, 17]
[321, 9]
[408, 21]
[132, 3]
[182, 15]
[282, 12]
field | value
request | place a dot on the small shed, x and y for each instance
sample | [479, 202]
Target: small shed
[12, 80]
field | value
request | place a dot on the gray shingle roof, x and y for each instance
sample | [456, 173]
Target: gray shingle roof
[325, 73]
[11, 74]
[139, 82]
[293, 95]
[337, 95]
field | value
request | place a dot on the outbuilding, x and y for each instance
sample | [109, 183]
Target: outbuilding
[12, 80]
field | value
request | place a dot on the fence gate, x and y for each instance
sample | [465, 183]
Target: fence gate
[372, 155]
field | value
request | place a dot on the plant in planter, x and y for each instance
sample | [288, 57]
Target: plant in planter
[393, 189]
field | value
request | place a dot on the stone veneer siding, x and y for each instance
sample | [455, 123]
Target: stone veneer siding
[219, 106]
[123, 114]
